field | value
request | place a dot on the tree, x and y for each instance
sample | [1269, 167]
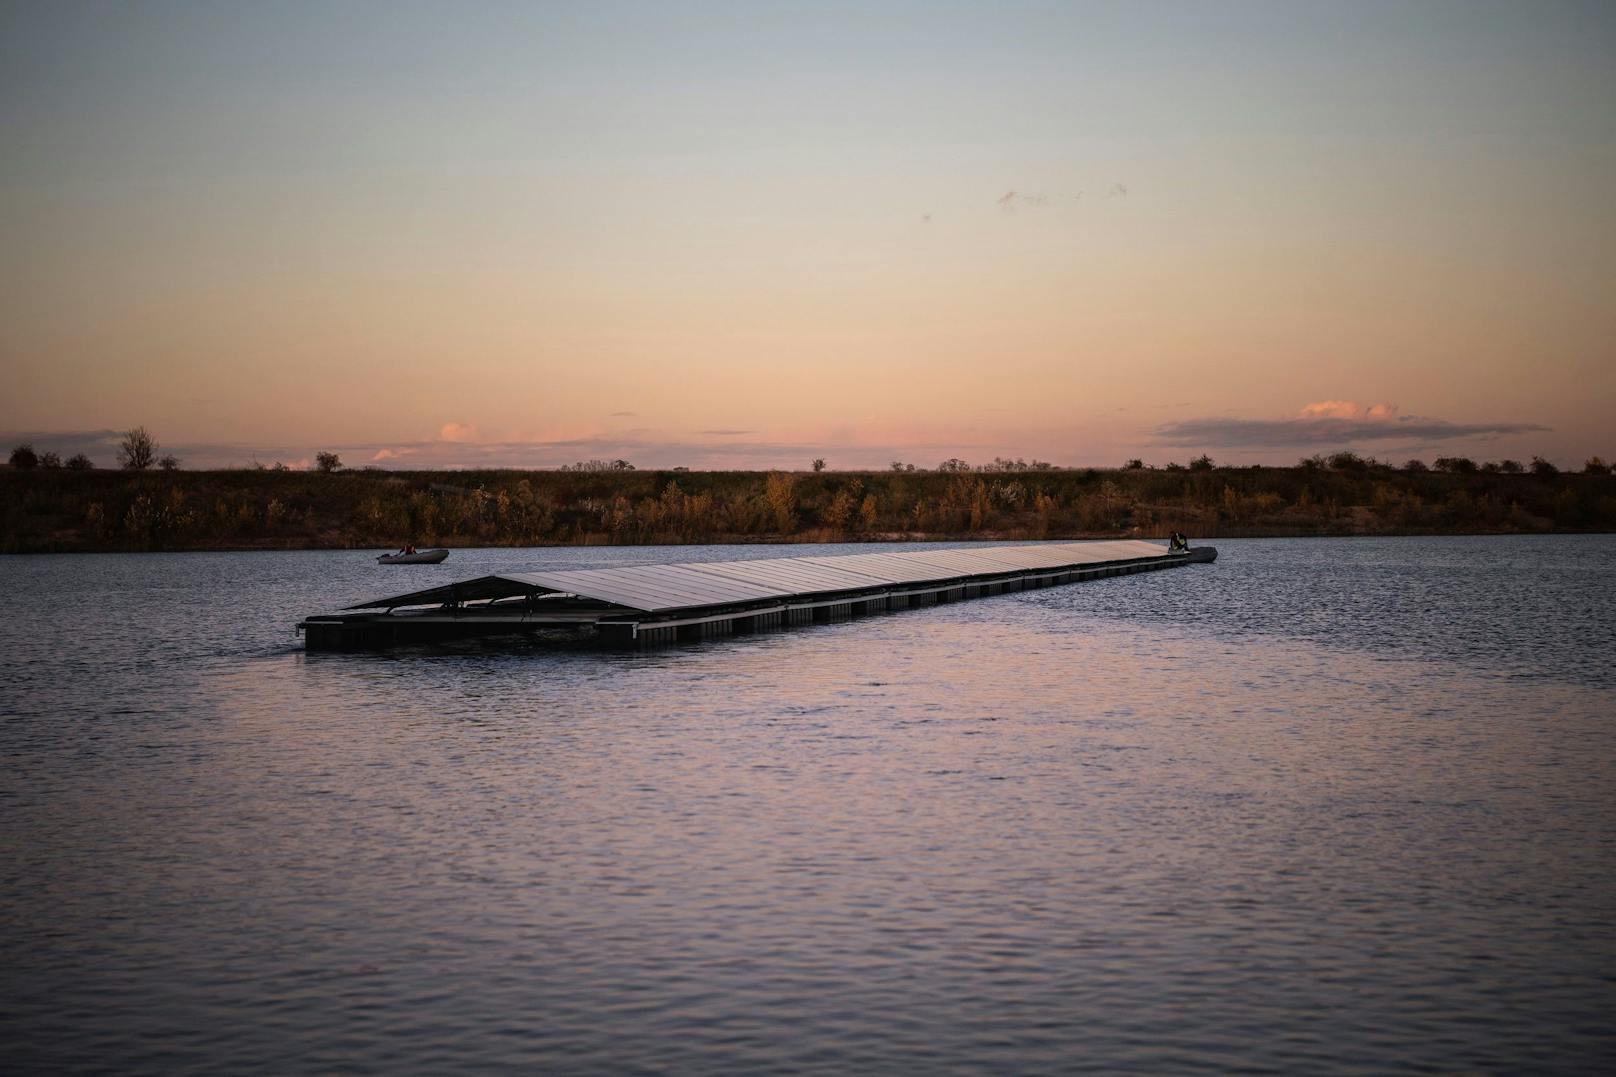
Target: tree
[23, 457]
[1135, 464]
[1201, 463]
[1595, 466]
[1541, 466]
[138, 450]
[953, 463]
[819, 465]
[622, 465]
[79, 462]
[1456, 465]
[1415, 466]
[49, 459]
[169, 462]
[839, 511]
[327, 462]
[1510, 467]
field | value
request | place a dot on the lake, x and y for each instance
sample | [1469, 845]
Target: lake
[1325, 806]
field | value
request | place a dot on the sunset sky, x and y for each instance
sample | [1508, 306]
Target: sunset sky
[753, 234]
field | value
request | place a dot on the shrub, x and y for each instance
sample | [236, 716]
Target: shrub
[327, 462]
[781, 500]
[23, 457]
[1595, 466]
[1415, 466]
[1201, 463]
[1347, 460]
[49, 459]
[1541, 466]
[79, 462]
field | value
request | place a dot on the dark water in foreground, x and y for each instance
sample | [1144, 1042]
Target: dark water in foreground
[1324, 806]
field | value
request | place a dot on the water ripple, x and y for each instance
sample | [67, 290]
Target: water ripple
[1327, 806]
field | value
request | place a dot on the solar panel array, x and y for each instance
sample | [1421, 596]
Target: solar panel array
[661, 588]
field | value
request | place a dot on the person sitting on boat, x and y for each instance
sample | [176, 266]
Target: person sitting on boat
[1178, 543]
[410, 548]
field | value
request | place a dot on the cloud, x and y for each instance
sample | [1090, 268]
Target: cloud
[101, 446]
[1346, 409]
[624, 415]
[458, 432]
[1014, 200]
[385, 454]
[725, 433]
[1329, 422]
[1118, 190]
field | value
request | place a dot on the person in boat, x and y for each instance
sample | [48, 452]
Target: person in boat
[410, 548]
[1178, 543]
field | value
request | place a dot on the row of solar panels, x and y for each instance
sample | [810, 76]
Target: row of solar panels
[660, 588]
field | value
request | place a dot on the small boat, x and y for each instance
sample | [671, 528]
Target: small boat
[419, 557]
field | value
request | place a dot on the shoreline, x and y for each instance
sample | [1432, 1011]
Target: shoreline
[753, 541]
[62, 511]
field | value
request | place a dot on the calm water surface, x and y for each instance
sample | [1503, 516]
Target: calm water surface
[1323, 806]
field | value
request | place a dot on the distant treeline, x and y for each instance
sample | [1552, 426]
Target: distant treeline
[49, 509]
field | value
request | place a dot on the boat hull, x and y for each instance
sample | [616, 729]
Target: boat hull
[422, 557]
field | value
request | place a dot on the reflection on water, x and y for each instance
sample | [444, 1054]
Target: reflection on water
[1324, 805]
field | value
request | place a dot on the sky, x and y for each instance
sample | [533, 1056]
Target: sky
[754, 234]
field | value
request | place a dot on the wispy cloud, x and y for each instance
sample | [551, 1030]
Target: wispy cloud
[725, 433]
[1329, 422]
[624, 415]
[1014, 200]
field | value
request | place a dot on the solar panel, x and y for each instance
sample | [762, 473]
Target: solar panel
[659, 588]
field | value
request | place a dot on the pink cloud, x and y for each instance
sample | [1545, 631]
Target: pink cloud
[1347, 409]
[458, 432]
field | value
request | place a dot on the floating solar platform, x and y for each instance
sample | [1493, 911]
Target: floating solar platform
[640, 605]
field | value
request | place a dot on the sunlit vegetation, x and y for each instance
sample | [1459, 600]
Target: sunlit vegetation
[75, 508]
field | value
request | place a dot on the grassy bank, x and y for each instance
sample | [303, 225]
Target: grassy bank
[66, 510]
